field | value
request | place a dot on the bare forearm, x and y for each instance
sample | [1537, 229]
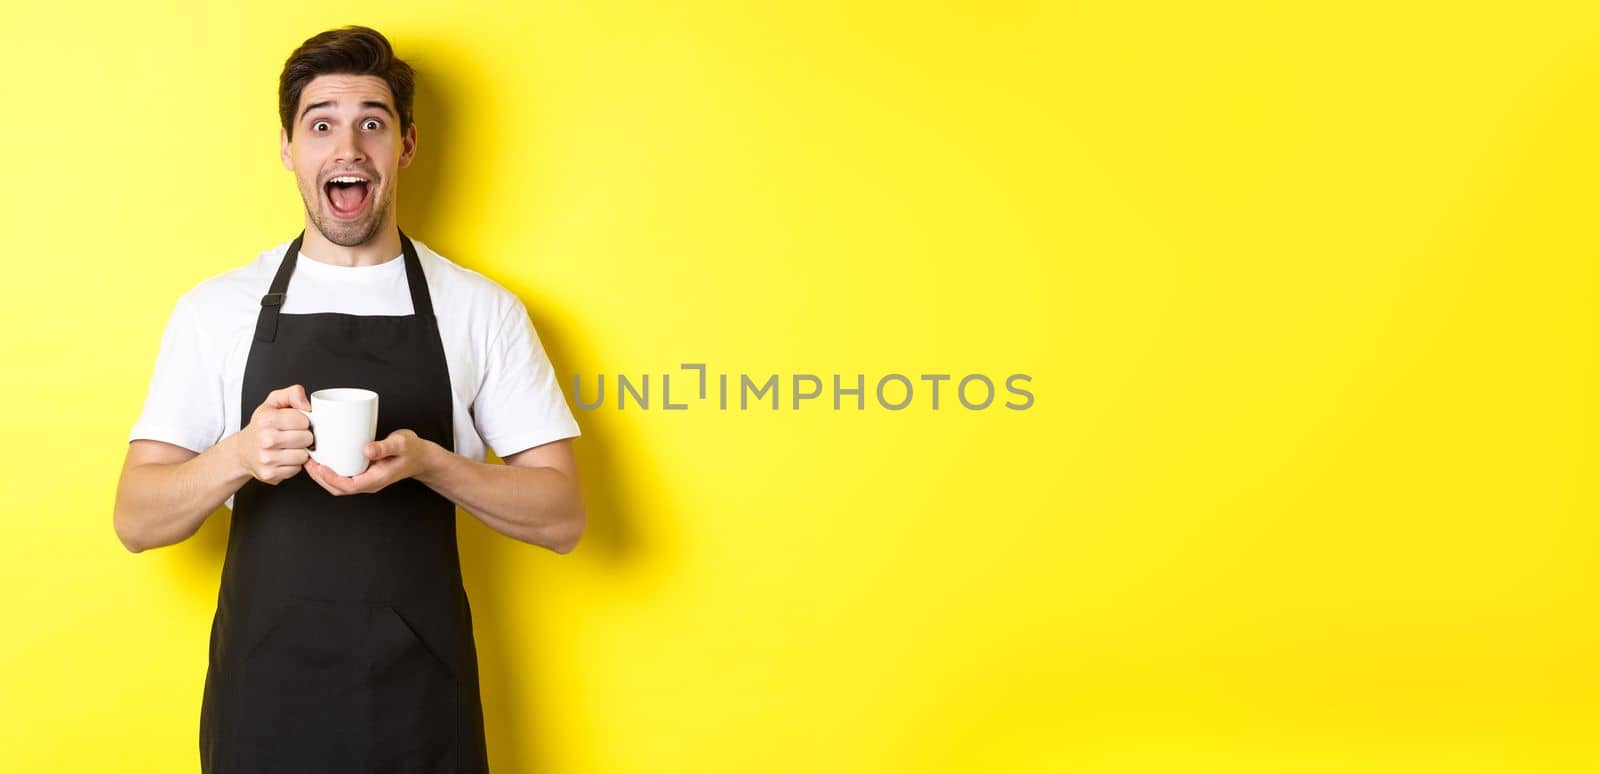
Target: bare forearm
[162, 504]
[541, 506]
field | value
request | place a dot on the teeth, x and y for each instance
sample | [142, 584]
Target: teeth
[348, 179]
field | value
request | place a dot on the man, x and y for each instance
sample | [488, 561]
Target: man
[342, 640]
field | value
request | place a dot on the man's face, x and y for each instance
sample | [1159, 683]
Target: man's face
[346, 129]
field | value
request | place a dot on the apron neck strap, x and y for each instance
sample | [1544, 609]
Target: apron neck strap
[272, 302]
[421, 302]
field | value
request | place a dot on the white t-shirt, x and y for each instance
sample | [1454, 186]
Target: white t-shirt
[506, 393]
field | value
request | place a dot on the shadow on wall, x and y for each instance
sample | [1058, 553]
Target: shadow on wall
[496, 568]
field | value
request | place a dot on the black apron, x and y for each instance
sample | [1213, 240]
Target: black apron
[342, 641]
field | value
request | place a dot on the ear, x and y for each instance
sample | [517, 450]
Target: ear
[283, 150]
[408, 145]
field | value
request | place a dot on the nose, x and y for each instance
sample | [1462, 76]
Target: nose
[349, 149]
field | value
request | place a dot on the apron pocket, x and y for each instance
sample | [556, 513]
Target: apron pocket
[300, 696]
[414, 700]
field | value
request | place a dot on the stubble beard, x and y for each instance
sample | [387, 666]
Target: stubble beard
[347, 233]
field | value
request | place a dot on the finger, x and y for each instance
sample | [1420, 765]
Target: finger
[343, 483]
[397, 442]
[289, 457]
[370, 480]
[288, 439]
[293, 396]
[377, 450]
[288, 419]
[329, 480]
[273, 475]
[314, 470]
[271, 439]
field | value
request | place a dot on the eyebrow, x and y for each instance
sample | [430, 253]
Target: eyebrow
[371, 103]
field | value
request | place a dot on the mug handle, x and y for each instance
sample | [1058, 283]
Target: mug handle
[313, 446]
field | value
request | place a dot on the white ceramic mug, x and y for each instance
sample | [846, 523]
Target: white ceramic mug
[343, 421]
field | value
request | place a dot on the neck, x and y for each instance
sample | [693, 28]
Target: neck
[383, 246]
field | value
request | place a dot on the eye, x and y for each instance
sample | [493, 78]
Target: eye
[374, 123]
[316, 124]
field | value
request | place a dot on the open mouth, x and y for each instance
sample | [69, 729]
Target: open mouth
[347, 195]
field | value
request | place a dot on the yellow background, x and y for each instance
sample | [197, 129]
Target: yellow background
[1307, 292]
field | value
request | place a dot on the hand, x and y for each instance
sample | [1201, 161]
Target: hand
[400, 456]
[272, 448]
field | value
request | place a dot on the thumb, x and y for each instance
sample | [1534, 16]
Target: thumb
[298, 399]
[378, 449]
[293, 396]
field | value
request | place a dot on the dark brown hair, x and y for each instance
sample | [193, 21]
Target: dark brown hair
[351, 50]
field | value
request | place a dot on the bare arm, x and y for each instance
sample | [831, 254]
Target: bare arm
[166, 491]
[534, 497]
